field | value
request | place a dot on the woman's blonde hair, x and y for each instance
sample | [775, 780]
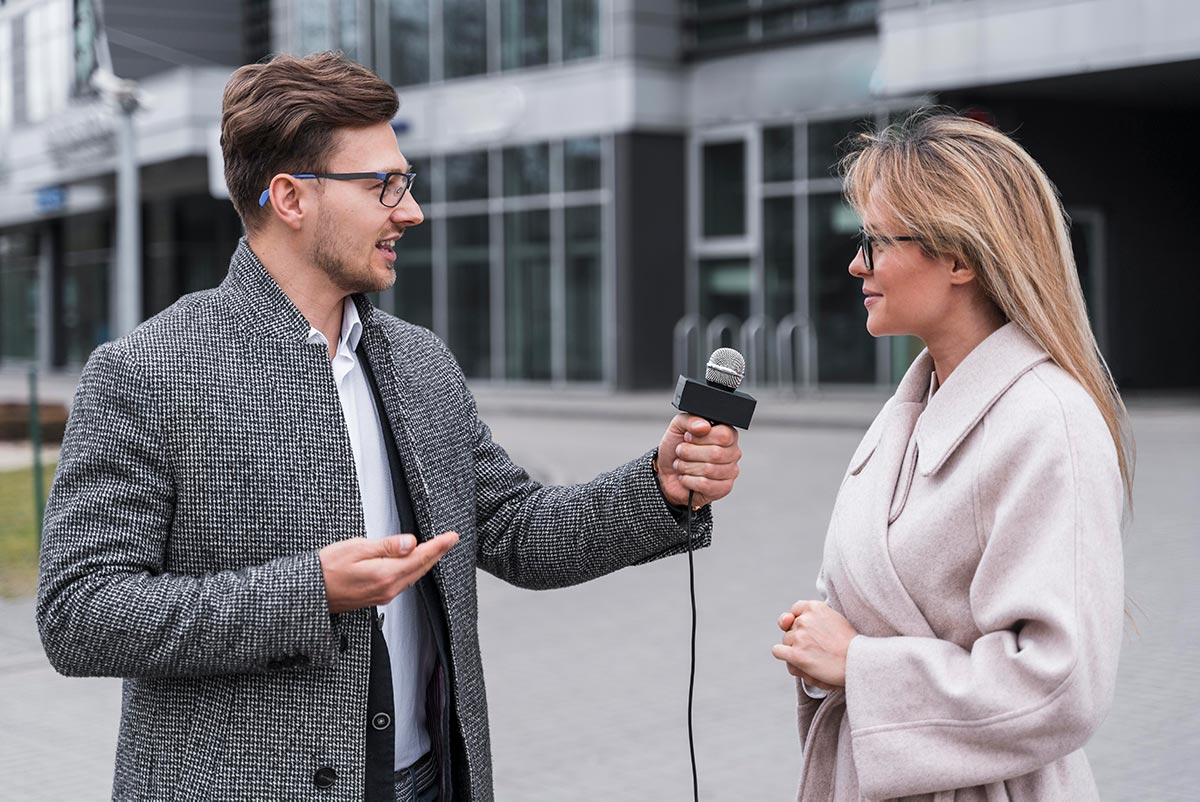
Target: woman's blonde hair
[970, 191]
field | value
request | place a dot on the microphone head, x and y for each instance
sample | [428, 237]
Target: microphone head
[726, 368]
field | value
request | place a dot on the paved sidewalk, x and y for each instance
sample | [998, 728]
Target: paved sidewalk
[588, 685]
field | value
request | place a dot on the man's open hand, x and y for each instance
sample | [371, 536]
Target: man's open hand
[360, 572]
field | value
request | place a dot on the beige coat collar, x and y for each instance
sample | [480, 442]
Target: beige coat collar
[963, 399]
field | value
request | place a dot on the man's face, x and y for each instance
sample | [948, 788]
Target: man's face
[355, 237]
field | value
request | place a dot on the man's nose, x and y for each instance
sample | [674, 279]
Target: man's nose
[408, 212]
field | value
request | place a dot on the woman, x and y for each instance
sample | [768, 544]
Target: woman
[966, 643]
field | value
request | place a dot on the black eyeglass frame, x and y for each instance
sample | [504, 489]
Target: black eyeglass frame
[864, 244]
[406, 184]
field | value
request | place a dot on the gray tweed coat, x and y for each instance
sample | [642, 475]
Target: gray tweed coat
[206, 462]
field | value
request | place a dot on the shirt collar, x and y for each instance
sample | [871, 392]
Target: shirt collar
[351, 328]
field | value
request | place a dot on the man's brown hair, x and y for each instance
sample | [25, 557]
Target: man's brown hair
[282, 116]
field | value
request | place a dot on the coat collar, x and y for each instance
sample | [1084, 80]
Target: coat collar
[964, 398]
[261, 304]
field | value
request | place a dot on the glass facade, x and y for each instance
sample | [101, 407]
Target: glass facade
[465, 43]
[18, 294]
[527, 294]
[580, 29]
[524, 33]
[412, 42]
[712, 27]
[509, 266]
[408, 41]
[82, 297]
[723, 173]
[47, 58]
[6, 75]
[186, 244]
[773, 245]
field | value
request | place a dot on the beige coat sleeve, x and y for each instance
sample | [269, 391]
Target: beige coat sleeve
[927, 714]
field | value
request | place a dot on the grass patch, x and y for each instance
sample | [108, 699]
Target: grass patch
[18, 531]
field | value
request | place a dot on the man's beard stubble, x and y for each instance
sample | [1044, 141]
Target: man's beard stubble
[328, 254]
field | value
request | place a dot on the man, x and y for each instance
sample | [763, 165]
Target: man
[204, 532]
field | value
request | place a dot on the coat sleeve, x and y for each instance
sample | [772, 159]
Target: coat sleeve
[542, 537]
[929, 715]
[106, 605]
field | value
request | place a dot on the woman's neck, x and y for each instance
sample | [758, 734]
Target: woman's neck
[959, 335]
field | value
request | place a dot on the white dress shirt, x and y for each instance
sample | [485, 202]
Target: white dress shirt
[405, 627]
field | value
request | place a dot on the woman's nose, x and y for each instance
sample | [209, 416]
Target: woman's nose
[858, 265]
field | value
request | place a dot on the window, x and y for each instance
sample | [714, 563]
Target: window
[527, 170]
[580, 29]
[524, 33]
[467, 176]
[584, 286]
[413, 291]
[6, 76]
[18, 295]
[847, 352]
[465, 41]
[408, 41]
[510, 266]
[778, 155]
[313, 31]
[349, 38]
[475, 37]
[784, 293]
[527, 294]
[713, 27]
[581, 169]
[87, 254]
[47, 59]
[468, 281]
[723, 175]
[725, 286]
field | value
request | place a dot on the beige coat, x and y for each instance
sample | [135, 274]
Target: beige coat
[982, 567]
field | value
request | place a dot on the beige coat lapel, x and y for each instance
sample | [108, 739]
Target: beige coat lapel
[860, 569]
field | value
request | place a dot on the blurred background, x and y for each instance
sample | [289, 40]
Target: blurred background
[612, 189]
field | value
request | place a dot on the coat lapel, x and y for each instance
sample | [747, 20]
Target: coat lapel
[971, 390]
[861, 566]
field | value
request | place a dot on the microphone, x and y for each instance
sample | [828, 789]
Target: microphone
[718, 399]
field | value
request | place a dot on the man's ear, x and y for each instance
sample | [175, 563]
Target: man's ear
[288, 200]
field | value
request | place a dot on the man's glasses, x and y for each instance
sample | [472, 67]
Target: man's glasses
[866, 244]
[390, 195]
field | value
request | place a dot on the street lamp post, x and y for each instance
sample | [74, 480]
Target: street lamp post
[126, 286]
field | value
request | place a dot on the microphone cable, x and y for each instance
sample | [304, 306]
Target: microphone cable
[692, 676]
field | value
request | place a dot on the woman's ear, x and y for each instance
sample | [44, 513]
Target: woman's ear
[961, 271]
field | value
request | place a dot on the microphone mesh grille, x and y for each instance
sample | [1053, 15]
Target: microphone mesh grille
[726, 367]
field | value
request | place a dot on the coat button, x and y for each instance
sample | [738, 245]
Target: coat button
[325, 777]
[345, 644]
[381, 721]
[275, 665]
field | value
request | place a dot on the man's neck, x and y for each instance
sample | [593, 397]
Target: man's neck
[309, 288]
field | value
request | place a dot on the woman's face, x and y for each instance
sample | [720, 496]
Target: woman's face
[909, 292]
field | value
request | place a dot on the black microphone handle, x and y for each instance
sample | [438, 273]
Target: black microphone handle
[714, 403]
